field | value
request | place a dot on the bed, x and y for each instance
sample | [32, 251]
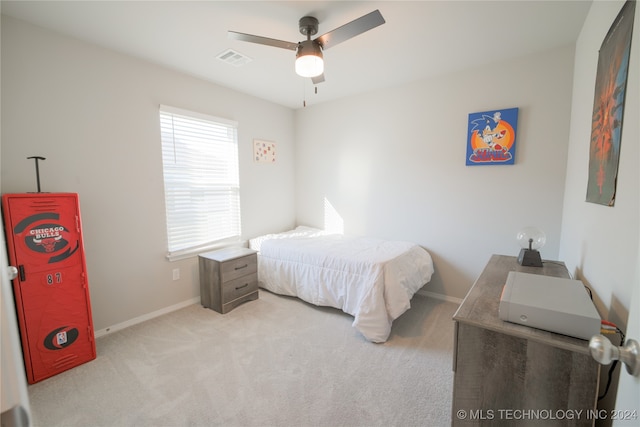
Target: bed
[371, 279]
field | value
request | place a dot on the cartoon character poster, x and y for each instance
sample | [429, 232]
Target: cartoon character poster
[491, 138]
[608, 108]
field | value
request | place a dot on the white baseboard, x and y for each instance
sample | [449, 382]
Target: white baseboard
[196, 300]
[439, 296]
[145, 317]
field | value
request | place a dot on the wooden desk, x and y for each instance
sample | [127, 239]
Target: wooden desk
[505, 373]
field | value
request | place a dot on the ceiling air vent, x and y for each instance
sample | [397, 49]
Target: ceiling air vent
[233, 57]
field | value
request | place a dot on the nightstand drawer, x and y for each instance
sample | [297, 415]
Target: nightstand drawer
[232, 269]
[239, 287]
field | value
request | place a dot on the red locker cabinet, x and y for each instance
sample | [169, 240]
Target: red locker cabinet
[44, 239]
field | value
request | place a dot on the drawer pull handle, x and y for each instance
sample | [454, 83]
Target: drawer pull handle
[242, 266]
[243, 286]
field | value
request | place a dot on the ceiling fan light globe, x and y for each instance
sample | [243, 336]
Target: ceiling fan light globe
[309, 66]
[309, 62]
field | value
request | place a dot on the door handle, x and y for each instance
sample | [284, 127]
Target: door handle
[604, 353]
[23, 276]
[13, 272]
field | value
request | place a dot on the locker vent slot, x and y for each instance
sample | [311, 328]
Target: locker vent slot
[65, 361]
[46, 205]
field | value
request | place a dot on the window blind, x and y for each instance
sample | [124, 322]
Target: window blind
[201, 180]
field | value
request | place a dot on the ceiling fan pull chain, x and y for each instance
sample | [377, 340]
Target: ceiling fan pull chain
[304, 95]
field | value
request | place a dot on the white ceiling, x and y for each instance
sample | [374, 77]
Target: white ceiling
[418, 40]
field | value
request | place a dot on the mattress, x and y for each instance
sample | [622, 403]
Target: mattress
[370, 279]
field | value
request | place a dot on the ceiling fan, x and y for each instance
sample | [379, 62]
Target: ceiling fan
[309, 60]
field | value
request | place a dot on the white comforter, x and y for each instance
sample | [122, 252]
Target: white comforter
[370, 279]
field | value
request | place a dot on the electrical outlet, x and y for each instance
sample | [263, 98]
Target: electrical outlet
[176, 273]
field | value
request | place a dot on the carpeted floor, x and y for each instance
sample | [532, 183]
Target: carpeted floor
[276, 361]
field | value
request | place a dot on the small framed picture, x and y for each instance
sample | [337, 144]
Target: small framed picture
[491, 137]
[264, 151]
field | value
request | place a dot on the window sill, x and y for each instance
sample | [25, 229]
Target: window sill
[194, 252]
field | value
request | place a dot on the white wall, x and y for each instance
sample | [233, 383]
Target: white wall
[600, 244]
[94, 115]
[392, 164]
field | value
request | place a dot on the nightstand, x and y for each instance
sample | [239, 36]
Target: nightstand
[228, 277]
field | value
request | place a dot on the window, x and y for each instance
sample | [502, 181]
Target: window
[201, 182]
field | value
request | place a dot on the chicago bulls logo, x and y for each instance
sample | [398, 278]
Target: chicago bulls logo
[46, 238]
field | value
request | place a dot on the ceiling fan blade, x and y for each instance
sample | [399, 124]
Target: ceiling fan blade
[262, 40]
[351, 29]
[318, 79]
